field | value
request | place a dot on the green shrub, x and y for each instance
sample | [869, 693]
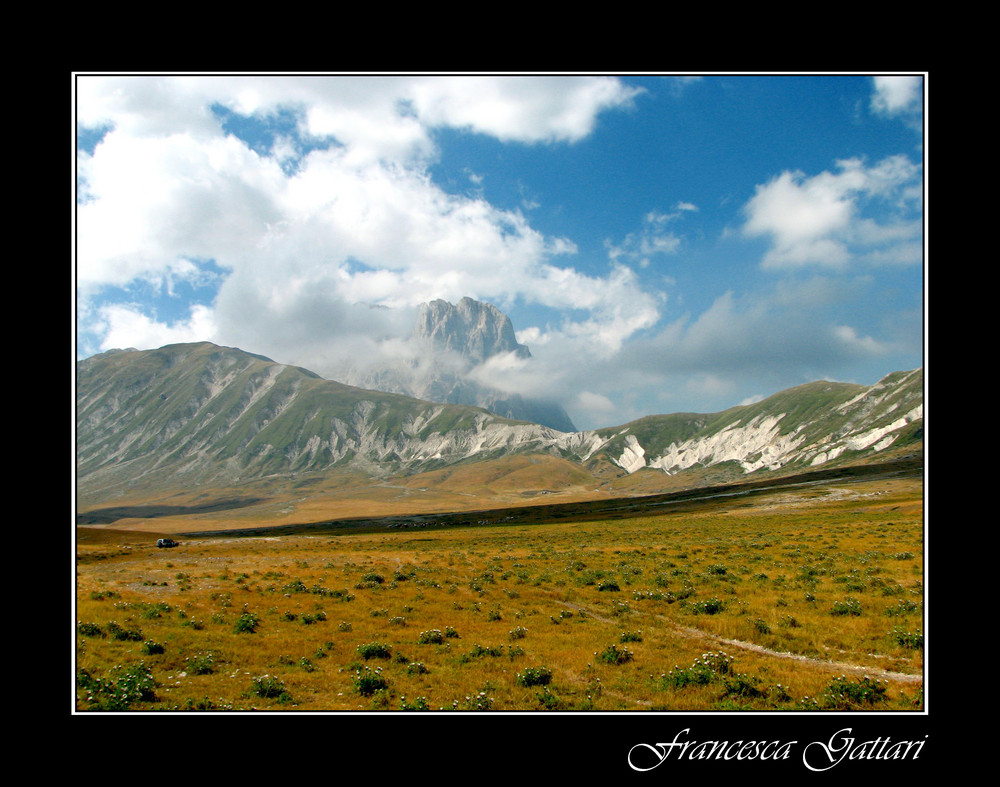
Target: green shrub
[534, 676]
[89, 629]
[246, 623]
[708, 667]
[478, 651]
[201, 663]
[375, 650]
[115, 631]
[612, 654]
[127, 686]
[711, 606]
[849, 606]
[842, 694]
[908, 639]
[419, 704]
[367, 681]
[270, 687]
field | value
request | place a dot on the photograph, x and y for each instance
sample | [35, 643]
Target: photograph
[509, 401]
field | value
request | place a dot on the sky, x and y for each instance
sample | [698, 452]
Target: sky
[661, 242]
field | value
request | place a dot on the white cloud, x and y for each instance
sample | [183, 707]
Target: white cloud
[123, 326]
[521, 109]
[356, 221]
[847, 337]
[895, 95]
[819, 220]
[651, 239]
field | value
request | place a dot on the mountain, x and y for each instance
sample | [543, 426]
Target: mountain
[187, 415]
[806, 426]
[450, 341]
[208, 414]
[473, 329]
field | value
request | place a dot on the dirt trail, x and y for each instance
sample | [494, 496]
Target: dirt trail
[693, 633]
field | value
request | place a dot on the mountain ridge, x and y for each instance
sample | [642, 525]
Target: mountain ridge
[201, 414]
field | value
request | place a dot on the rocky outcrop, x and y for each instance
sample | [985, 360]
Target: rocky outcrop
[451, 340]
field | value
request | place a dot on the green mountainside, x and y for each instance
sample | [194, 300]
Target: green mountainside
[198, 414]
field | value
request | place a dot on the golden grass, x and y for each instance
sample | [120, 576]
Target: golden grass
[777, 563]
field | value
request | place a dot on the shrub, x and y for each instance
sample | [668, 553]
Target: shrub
[367, 681]
[432, 637]
[151, 648]
[480, 701]
[121, 633]
[842, 694]
[908, 639]
[903, 607]
[479, 651]
[419, 704]
[202, 663]
[520, 632]
[702, 671]
[416, 668]
[270, 687]
[711, 606]
[631, 636]
[127, 686]
[613, 655]
[306, 665]
[741, 685]
[548, 700]
[849, 606]
[246, 623]
[534, 676]
[375, 650]
[89, 629]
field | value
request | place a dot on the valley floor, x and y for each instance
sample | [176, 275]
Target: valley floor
[807, 597]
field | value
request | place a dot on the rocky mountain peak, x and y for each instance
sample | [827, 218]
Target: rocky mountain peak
[471, 328]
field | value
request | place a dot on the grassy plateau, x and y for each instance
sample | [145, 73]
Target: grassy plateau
[808, 598]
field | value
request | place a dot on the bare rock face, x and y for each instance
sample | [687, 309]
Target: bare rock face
[472, 329]
[455, 339]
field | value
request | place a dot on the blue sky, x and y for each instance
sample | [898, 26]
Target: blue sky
[662, 243]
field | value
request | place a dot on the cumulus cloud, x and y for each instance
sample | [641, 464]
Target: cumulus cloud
[338, 215]
[124, 325]
[819, 220]
[894, 95]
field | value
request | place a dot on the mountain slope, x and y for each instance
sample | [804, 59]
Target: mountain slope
[190, 415]
[805, 426]
[216, 414]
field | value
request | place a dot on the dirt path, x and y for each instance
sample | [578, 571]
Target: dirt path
[693, 633]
